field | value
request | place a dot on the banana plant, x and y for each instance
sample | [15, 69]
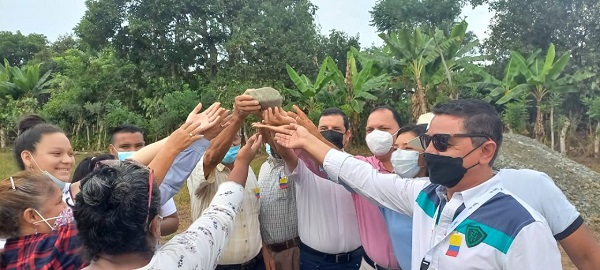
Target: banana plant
[308, 91]
[6, 86]
[415, 52]
[28, 82]
[501, 91]
[545, 76]
[358, 86]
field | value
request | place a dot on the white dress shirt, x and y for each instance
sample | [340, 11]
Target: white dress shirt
[202, 243]
[326, 215]
[503, 233]
[245, 241]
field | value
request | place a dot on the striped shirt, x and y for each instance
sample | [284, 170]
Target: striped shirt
[278, 213]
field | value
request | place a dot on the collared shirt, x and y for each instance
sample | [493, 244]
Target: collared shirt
[203, 242]
[533, 187]
[373, 231]
[278, 213]
[245, 241]
[326, 214]
[181, 169]
[503, 233]
[59, 249]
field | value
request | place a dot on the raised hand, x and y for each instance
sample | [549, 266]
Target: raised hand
[249, 150]
[185, 135]
[213, 128]
[245, 105]
[293, 136]
[277, 117]
[304, 121]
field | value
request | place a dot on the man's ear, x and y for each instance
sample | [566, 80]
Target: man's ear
[487, 152]
[113, 150]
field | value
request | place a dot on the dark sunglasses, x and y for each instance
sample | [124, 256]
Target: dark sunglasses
[440, 141]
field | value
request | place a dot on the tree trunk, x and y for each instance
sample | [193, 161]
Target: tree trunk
[3, 138]
[563, 137]
[87, 130]
[597, 141]
[419, 102]
[552, 127]
[539, 123]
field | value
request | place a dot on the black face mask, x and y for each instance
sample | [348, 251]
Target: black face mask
[446, 171]
[334, 137]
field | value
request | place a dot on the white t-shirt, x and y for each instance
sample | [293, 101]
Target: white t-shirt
[168, 208]
[545, 197]
[2, 242]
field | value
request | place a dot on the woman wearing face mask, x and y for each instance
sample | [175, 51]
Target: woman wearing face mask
[36, 225]
[118, 221]
[44, 148]
[407, 163]
[406, 159]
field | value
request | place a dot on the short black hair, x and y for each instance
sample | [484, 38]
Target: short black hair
[394, 113]
[337, 111]
[31, 130]
[111, 210]
[87, 165]
[479, 118]
[416, 129]
[125, 129]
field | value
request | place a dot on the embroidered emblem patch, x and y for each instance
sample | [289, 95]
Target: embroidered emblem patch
[455, 242]
[474, 236]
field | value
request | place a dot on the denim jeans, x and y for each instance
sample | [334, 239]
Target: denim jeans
[309, 261]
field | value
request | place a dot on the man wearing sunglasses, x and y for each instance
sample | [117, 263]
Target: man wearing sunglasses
[462, 217]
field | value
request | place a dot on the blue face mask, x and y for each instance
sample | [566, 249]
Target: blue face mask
[231, 155]
[124, 155]
[268, 148]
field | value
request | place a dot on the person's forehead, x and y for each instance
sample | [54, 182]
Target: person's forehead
[446, 124]
[128, 137]
[331, 120]
[54, 140]
[381, 118]
[405, 137]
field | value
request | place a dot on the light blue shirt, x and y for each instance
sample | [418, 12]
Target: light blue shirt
[181, 169]
[400, 230]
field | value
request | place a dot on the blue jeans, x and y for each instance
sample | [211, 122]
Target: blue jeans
[308, 261]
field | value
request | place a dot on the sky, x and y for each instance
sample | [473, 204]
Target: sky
[58, 17]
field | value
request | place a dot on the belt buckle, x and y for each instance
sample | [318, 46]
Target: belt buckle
[338, 256]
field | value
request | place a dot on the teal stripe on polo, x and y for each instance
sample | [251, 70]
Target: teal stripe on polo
[426, 204]
[495, 238]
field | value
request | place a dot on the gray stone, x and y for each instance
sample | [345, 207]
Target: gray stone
[580, 184]
[266, 96]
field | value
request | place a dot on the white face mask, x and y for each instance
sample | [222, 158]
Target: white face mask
[379, 142]
[406, 163]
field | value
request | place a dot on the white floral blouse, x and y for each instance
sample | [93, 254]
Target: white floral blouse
[201, 245]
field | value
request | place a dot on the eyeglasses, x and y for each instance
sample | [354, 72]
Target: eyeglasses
[440, 141]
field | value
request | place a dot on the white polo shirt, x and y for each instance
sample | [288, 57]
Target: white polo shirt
[502, 232]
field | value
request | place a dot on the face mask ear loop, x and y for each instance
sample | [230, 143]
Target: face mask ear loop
[12, 183]
[36, 164]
